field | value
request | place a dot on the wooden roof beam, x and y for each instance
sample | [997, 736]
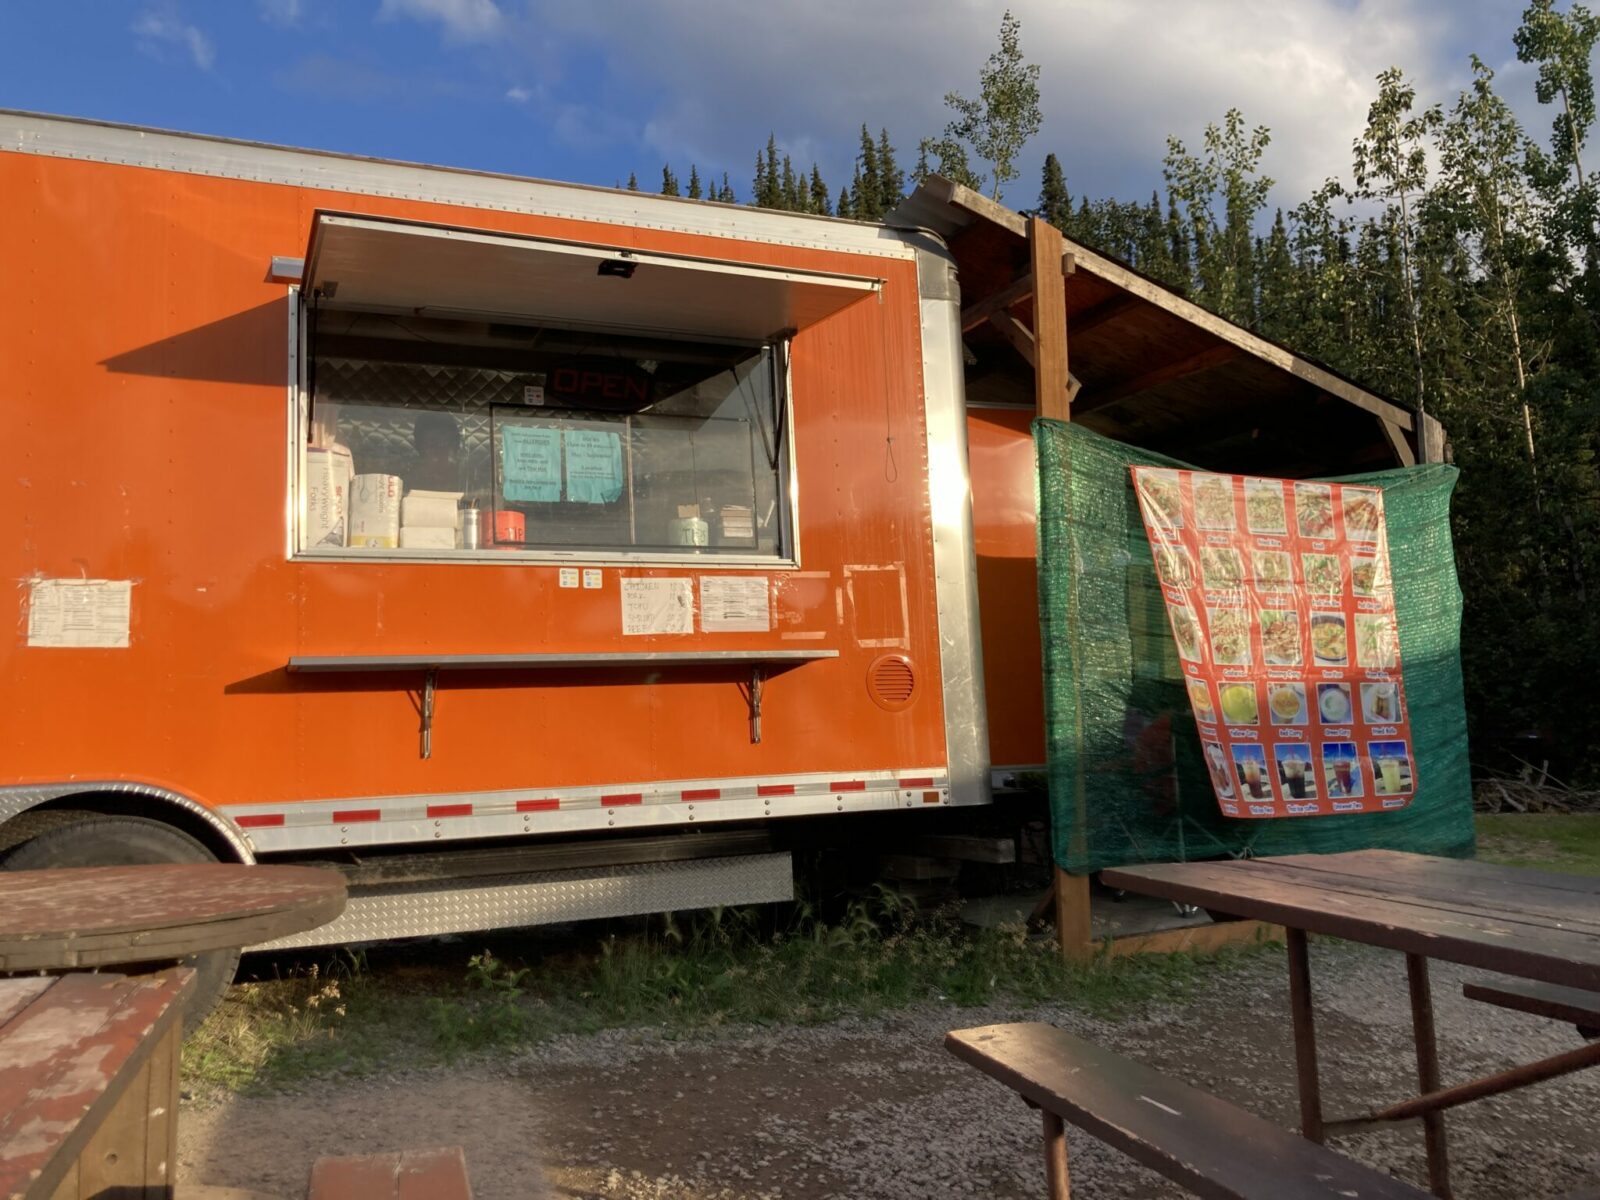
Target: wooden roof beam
[1014, 293]
[1193, 364]
[1097, 315]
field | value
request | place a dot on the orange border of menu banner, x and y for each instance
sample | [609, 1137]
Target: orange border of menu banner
[1280, 598]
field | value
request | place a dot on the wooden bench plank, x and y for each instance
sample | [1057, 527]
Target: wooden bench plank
[437, 1174]
[1197, 1140]
[1573, 1005]
[77, 1087]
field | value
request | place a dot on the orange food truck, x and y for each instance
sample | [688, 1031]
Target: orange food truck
[361, 507]
[529, 550]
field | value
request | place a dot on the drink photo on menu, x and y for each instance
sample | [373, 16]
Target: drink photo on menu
[1251, 763]
[1341, 770]
[1391, 768]
[1295, 773]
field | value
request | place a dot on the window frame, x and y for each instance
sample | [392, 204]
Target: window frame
[787, 557]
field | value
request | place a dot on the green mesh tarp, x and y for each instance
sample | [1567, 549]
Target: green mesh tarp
[1127, 780]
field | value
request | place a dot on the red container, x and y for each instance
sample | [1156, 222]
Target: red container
[504, 529]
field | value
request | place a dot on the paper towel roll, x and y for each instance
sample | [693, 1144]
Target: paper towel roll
[375, 511]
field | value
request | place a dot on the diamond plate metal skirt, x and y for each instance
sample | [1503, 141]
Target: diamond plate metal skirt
[550, 897]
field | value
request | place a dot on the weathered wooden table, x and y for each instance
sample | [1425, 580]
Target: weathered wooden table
[105, 916]
[89, 1062]
[1530, 924]
[89, 1085]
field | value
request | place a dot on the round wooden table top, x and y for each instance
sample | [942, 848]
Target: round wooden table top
[99, 916]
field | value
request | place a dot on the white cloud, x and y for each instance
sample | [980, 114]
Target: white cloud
[287, 13]
[706, 80]
[518, 95]
[160, 29]
[463, 20]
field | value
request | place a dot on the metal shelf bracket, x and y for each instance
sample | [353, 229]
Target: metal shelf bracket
[429, 683]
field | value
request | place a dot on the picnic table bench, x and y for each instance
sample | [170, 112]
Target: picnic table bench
[89, 1085]
[1573, 1005]
[1193, 1138]
[89, 1062]
[1536, 926]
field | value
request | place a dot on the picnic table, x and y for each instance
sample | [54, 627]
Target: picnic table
[1524, 923]
[75, 917]
[89, 1061]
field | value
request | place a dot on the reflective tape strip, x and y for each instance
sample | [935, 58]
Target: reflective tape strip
[370, 820]
[449, 810]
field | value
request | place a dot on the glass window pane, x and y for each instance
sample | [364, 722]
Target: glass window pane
[438, 436]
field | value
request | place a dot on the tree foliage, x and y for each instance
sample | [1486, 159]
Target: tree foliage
[1005, 114]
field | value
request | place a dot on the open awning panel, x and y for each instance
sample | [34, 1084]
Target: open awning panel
[448, 273]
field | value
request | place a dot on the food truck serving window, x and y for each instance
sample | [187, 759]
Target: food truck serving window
[472, 395]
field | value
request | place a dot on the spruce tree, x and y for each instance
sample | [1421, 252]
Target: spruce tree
[789, 188]
[868, 187]
[696, 190]
[1055, 203]
[633, 182]
[819, 193]
[891, 179]
[669, 182]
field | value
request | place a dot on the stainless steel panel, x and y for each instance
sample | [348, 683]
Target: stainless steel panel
[954, 557]
[413, 827]
[196, 154]
[551, 897]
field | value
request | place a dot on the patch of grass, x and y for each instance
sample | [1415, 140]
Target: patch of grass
[716, 968]
[1568, 842]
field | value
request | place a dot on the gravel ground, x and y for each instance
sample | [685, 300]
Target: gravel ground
[875, 1108]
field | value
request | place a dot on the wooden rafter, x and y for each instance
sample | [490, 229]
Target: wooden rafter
[1192, 364]
[1098, 314]
[1397, 442]
[1013, 293]
[1136, 285]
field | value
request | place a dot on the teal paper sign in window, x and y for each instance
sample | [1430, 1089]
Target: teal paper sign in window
[530, 461]
[594, 466]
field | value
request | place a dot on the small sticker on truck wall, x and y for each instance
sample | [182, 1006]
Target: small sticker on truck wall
[80, 613]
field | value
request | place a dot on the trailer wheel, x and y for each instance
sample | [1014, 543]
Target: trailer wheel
[92, 840]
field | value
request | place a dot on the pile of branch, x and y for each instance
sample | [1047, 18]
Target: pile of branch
[1534, 790]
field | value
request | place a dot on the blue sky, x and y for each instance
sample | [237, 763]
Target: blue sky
[588, 92]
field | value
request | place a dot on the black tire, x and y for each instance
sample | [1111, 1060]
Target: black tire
[92, 840]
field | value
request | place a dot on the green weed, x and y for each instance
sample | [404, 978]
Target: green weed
[685, 973]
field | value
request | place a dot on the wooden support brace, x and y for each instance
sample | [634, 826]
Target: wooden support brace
[1396, 438]
[997, 302]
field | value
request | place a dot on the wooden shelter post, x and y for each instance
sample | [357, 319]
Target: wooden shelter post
[1052, 391]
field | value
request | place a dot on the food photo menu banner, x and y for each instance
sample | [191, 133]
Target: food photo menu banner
[1281, 603]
